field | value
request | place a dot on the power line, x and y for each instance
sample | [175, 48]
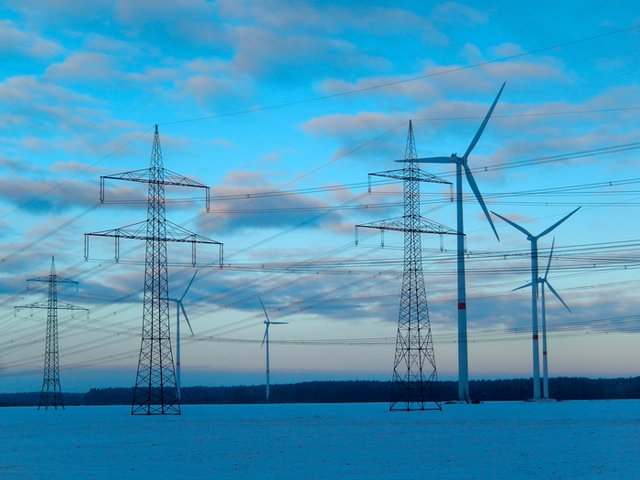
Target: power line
[406, 80]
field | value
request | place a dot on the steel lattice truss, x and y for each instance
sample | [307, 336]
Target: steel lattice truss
[414, 367]
[51, 392]
[155, 391]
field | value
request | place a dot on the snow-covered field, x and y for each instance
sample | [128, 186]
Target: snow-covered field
[575, 440]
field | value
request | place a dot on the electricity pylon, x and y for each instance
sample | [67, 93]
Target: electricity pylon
[155, 391]
[51, 393]
[414, 369]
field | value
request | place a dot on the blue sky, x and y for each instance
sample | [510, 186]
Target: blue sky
[283, 108]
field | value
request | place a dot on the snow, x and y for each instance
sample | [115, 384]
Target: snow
[599, 439]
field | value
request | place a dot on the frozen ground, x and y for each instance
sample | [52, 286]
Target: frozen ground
[360, 441]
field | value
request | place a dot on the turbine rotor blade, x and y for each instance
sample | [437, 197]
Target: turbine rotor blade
[483, 124]
[474, 187]
[266, 331]
[278, 323]
[557, 296]
[557, 223]
[265, 311]
[188, 286]
[186, 317]
[546, 272]
[513, 224]
[522, 286]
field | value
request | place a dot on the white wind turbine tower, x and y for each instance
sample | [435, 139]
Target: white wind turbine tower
[265, 340]
[461, 163]
[545, 361]
[179, 308]
[534, 293]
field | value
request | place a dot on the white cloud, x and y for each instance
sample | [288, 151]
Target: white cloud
[386, 87]
[13, 40]
[347, 125]
[191, 24]
[74, 167]
[295, 57]
[207, 88]
[46, 196]
[507, 50]
[83, 66]
[312, 17]
[30, 92]
[250, 210]
[64, 15]
[457, 15]
[17, 165]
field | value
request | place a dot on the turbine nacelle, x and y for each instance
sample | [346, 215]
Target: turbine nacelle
[454, 158]
[267, 323]
[531, 237]
[180, 305]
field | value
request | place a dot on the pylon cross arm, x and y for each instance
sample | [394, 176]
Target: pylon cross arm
[419, 225]
[411, 174]
[162, 177]
[48, 278]
[141, 175]
[138, 231]
[146, 175]
[133, 231]
[176, 233]
[59, 305]
[172, 178]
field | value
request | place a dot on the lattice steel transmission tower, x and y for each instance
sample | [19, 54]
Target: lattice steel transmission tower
[51, 393]
[414, 368]
[155, 391]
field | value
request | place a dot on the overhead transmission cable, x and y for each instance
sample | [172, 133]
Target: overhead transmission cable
[379, 86]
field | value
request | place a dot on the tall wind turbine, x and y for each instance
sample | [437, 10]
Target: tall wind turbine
[545, 362]
[461, 163]
[265, 340]
[534, 293]
[179, 308]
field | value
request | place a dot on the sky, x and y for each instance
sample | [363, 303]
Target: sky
[283, 109]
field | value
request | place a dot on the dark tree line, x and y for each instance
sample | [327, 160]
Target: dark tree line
[562, 388]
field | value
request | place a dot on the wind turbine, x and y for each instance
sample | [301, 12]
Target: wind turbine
[461, 163]
[534, 292]
[542, 281]
[180, 307]
[265, 340]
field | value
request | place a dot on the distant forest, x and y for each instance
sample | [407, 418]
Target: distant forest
[562, 388]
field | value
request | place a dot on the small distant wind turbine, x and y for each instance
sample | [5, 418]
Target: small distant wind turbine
[545, 362]
[534, 292]
[179, 308]
[462, 163]
[265, 341]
